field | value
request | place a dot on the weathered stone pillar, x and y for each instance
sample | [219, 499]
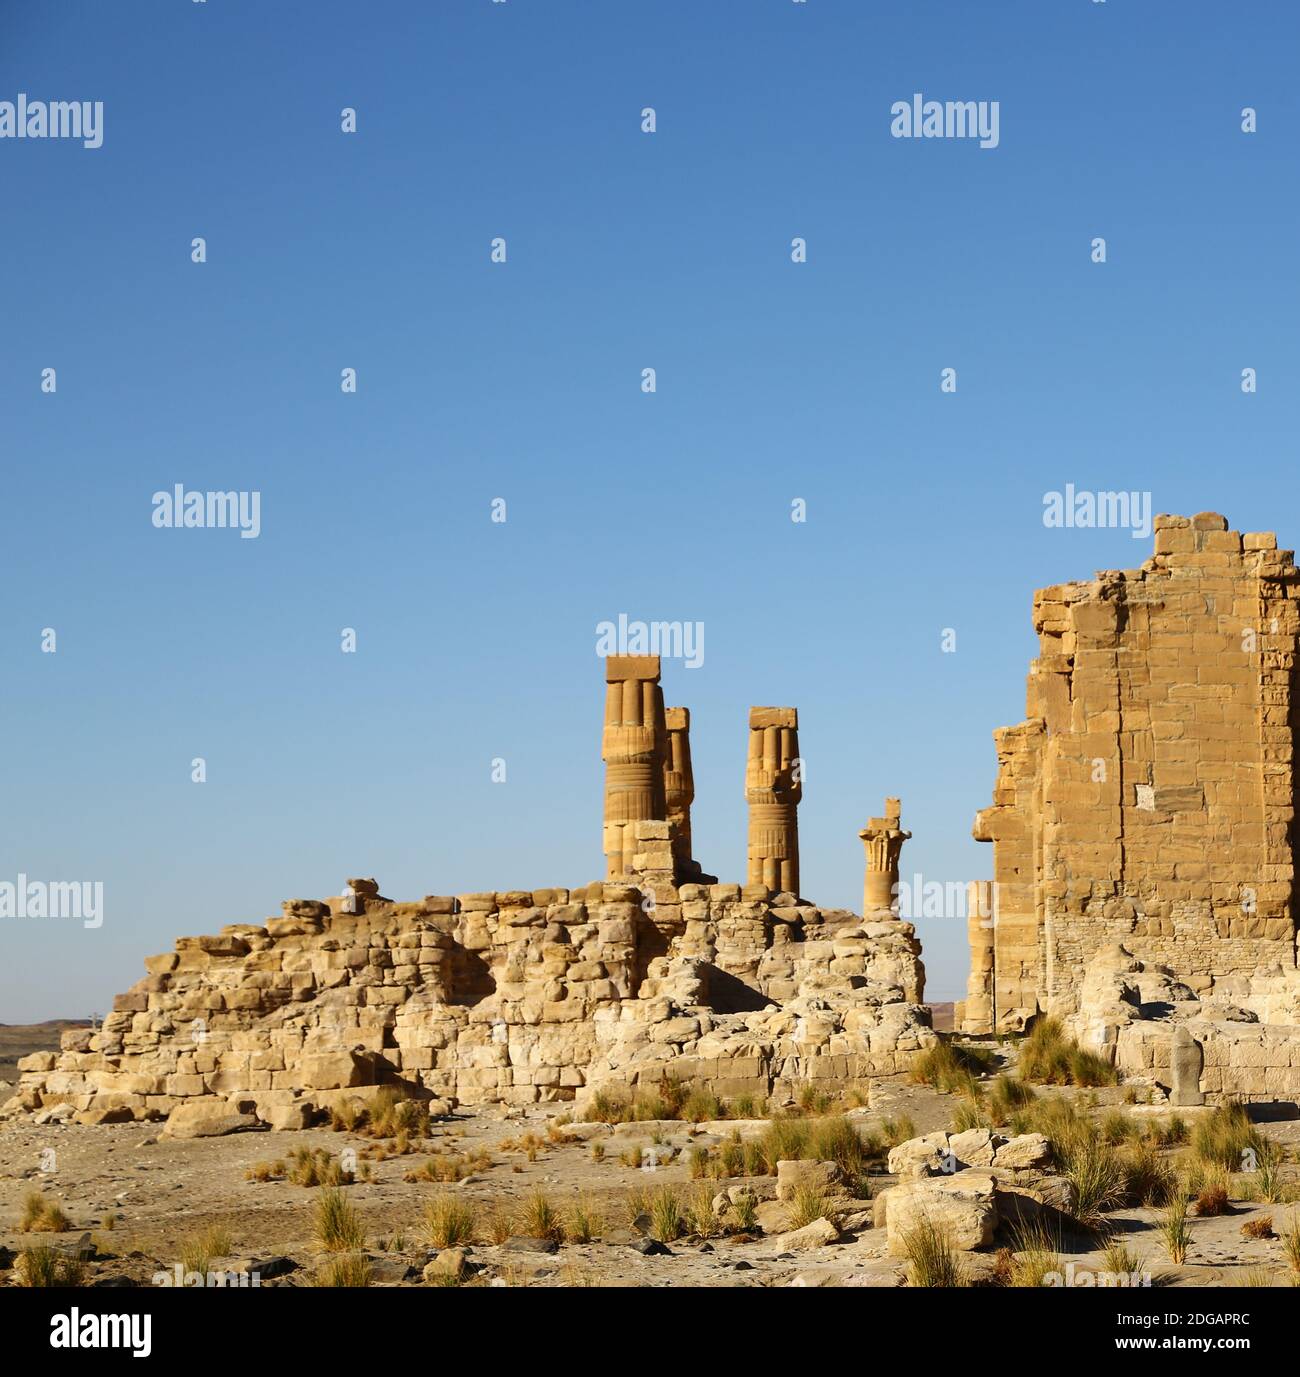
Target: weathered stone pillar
[633, 751]
[773, 788]
[679, 786]
[883, 840]
[1185, 1062]
[977, 1014]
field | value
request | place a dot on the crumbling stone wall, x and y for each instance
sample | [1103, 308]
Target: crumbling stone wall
[1148, 798]
[515, 997]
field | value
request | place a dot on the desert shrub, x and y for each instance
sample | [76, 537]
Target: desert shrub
[1212, 1198]
[337, 1225]
[1120, 1259]
[347, 1117]
[699, 1162]
[814, 1101]
[744, 1213]
[1037, 1252]
[783, 1140]
[449, 1220]
[42, 1216]
[42, 1265]
[731, 1156]
[1173, 1228]
[1117, 1128]
[1057, 1119]
[1291, 1244]
[809, 1204]
[583, 1223]
[701, 1104]
[198, 1250]
[497, 1227]
[538, 1218]
[932, 1259]
[970, 1113]
[1266, 1183]
[898, 1130]
[701, 1217]
[1049, 1057]
[667, 1221]
[316, 1167]
[1096, 1181]
[1225, 1136]
[1148, 1178]
[835, 1139]
[951, 1067]
[1253, 1276]
[1005, 1096]
[1259, 1227]
[351, 1269]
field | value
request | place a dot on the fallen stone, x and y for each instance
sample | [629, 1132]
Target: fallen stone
[818, 1234]
[206, 1118]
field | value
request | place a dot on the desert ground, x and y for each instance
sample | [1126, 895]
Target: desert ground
[496, 1196]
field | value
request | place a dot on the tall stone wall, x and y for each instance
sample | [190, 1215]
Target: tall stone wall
[1148, 799]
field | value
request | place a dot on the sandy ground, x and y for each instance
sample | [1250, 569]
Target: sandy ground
[163, 1191]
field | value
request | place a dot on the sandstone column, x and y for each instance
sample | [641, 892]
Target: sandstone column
[978, 1005]
[679, 785]
[632, 748]
[773, 787]
[883, 840]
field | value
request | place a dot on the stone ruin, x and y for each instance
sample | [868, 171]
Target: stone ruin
[528, 996]
[1143, 821]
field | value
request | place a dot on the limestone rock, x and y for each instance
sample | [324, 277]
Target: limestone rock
[206, 1118]
[964, 1206]
[793, 1176]
[818, 1234]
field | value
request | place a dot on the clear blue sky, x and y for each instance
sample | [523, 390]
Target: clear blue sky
[625, 251]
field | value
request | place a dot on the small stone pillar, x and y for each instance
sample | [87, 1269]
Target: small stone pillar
[679, 787]
[1185, 1062]
[632, 748]
[977, 1011]
[883, 840]
[773, 788]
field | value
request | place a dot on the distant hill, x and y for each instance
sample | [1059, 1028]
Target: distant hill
[941, 1016]
[18, 1039]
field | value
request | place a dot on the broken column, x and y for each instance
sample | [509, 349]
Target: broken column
[883, 840]
[632, 748]
[773, 788]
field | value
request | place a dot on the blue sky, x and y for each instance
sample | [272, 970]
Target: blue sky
[476, 380]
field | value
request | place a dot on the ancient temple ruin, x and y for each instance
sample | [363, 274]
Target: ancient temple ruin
[529, 996]
[1142, 821]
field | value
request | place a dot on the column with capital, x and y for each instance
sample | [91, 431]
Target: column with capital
[773, 788]
[632, 748]
[883, 840]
